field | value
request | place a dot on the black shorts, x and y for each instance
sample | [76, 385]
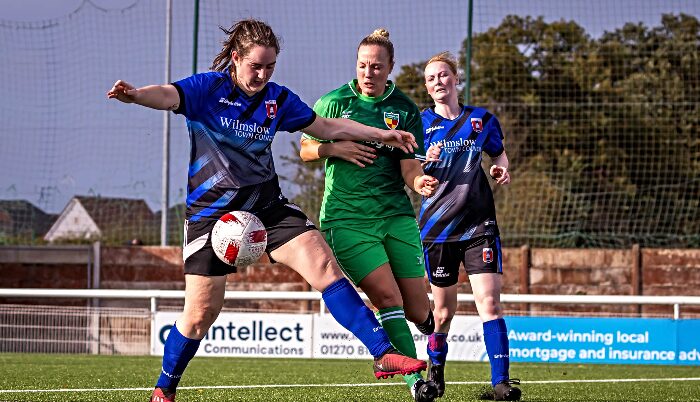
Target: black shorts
[283, 222]
[479, 255]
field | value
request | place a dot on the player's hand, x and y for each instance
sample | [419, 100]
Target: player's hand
[500, 174]
[403, 140]
[353, 152]
[122, 91]
[426, 185]
[433, 153]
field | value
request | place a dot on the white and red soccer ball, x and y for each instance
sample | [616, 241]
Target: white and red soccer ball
[239, 238]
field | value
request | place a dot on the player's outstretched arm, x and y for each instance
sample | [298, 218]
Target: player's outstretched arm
[499, 169]
[416, 179]
[346, 129]
[359, 154]
[161, 97]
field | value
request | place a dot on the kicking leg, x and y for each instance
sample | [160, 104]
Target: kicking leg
[309, 255]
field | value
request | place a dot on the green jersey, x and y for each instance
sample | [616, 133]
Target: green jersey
[377, 190]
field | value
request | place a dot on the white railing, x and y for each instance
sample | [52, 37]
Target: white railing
[154, 295]
[93, 329]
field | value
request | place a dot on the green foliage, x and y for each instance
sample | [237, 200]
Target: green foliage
[410, 80]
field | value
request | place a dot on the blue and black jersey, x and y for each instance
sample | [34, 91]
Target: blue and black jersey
[231, 133]
[462, 208]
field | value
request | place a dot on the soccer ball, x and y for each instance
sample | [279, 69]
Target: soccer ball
[239, 238]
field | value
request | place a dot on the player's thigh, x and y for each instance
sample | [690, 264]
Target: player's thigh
[293, 240]
[483, 263]
[403, 246]
[283, 222]
[442, 262]
[309, 255]
[358, 249]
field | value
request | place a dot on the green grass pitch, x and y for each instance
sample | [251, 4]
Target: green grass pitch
[129, 378]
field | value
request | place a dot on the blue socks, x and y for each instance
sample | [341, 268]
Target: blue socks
[496, 339]
[178, 352]
[437, 348]
[350, 311]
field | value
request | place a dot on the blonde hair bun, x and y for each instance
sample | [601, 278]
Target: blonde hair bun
[381, 32]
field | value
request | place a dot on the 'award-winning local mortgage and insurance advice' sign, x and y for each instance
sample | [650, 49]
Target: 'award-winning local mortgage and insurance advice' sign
[604, 340]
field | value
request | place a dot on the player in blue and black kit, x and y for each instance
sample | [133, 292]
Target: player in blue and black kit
[233, 114]
[458, 224]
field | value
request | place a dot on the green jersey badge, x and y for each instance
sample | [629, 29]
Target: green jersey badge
[391, 120]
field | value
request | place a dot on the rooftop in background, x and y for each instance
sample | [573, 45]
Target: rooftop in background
[112, 220]
[20, 220]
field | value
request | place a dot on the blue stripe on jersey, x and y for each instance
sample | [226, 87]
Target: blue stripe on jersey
[433, 219]
[220, 203]
[204, 187]
[448, 230]
[426, 202]
[198, 164]
[468, 233]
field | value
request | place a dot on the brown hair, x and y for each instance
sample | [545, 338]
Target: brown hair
[242, 36]
[379, 37]
[447, 58]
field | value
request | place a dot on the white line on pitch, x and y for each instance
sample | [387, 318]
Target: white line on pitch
[611, 380]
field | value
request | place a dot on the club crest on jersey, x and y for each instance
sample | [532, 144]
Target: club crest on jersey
[487, 255]
[271, 108]
[477, 124]
[391, 119]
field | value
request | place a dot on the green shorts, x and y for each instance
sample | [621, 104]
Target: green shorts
[360, 248]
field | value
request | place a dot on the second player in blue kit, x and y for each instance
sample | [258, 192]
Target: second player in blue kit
[458, 224]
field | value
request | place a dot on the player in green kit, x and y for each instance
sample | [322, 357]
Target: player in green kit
[366, 215]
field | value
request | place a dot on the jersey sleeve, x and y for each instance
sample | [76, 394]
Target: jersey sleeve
[494, 142]
[426, 143]
[296, 115]
[324, 107]
[192, 92]
[414, 125]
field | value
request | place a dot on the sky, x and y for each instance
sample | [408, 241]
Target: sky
[61, 137]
